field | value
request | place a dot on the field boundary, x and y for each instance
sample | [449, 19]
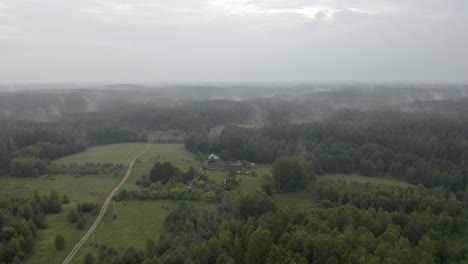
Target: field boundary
[103, 209]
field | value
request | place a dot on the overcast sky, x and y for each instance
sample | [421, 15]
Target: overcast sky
[233, 40]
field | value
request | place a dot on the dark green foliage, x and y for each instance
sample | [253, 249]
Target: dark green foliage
[87, 207]
[367, 167]
[289, 174]
[27, 167]
[88, 168]
[59, 242]
[110, 255]
[51, 204]
[259, 246]
[65, 199]
[163, 172]
[81, 223]
[254, 205]
[73, 216]
[19, 220]
[88, 258]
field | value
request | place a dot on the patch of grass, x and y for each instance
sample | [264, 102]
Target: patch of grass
[92, 188]
[114, 153]
[365, 179]
[137, 221]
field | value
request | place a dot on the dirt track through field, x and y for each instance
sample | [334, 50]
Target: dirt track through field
[103, 210]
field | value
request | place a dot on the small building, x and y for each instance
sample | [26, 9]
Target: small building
[222, 166]
[213, 157]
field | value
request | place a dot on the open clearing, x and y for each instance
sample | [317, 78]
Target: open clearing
[115, 153]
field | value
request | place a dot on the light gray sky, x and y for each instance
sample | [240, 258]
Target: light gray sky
[233, 40]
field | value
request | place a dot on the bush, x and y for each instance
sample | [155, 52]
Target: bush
[87, 207]
[81, 223]
[72, 216]
[88, 258]
[59, 242]
[65, 199]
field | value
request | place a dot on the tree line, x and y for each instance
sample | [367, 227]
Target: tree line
[27, 147]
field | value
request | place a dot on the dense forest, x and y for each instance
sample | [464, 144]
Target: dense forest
[412, 134]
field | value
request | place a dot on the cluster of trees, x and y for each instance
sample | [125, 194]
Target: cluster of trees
[78, 215]
[27, 147]
[20, 219]
[291, 174]
[166, 181]
[253, 228]
[88, 168]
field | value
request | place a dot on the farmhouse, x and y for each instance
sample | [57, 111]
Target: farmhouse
[222, 166]
[213, 157]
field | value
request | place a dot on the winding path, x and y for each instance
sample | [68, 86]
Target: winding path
[103, 210]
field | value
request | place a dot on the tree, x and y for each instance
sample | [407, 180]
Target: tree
[162, 172]
[366, 167]
[59, 242]
[4, 159]
[65, 199]
[259, 246]
[81, 223]
[88, 258]
[288, 174]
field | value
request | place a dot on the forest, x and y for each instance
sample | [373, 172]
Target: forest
[294, 138]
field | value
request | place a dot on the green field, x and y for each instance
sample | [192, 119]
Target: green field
[115, 153]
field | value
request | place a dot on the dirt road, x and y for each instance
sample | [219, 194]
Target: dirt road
[103, 210]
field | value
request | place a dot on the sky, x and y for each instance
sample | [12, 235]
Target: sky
[233, 40]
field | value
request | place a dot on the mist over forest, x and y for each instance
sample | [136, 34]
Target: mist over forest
[234, 132]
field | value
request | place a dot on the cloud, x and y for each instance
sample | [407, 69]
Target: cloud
[56, 40]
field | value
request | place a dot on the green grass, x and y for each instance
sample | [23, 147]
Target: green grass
[114, 153]
[78, 189]
[365, 179]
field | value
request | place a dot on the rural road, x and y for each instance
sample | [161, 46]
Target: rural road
[103, 210]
